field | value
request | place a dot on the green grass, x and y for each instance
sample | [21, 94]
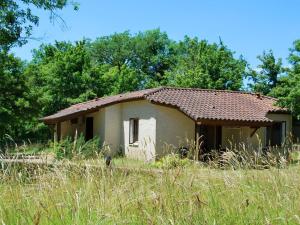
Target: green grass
[193, 195]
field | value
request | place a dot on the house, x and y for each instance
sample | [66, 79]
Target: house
[144, 124]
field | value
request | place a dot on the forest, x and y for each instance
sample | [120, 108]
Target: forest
[64, 73]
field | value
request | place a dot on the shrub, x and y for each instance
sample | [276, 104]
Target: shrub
[171, 161]
[78, 148]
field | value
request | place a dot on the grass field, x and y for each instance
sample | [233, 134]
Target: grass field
[192, 195]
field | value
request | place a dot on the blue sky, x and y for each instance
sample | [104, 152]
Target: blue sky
[247, 27]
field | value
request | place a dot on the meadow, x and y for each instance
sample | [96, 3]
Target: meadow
[242, 187]
[193, 194]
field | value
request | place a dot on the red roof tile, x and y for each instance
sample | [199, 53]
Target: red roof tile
[98, 103]
[196, 103]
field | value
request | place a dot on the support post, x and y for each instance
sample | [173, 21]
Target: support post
[197, 137]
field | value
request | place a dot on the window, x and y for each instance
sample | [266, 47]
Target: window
[133, 130]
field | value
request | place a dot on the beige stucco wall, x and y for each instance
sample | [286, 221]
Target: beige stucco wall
[143, 110]
[237, 137]
[174, 129]
[113, 127]
[242, 135]
[107, 127]
[99, 121]
[69, 130]
[161, 129]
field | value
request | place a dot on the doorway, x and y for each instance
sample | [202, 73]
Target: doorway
[89, 127]
[210, 138]
[274, 135]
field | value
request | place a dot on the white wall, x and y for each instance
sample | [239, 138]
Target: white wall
[145, 112]
[174, 129]
[113, 127]
[236, 137]
[98, 126]
[107, 126]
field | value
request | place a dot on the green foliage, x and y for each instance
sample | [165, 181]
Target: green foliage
[60, 76]
[155, 54]
[134, 61]
[78, 148]
[275, 80]
[288, 87]
[204, 65]
[17, 20]
[267, 77]
[18, 115]
[171, 161]
[15, 100]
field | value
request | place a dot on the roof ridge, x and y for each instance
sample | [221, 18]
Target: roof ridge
[120, 94]
[218, 90]
[153, 91]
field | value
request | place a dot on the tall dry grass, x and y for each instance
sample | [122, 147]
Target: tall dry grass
[193, 195]
[228, 189]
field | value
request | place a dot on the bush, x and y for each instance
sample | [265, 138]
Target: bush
[171, 161]
[78, 148]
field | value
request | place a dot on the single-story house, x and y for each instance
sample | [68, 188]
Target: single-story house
[144, 124]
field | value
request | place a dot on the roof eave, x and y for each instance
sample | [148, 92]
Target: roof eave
[229, 122]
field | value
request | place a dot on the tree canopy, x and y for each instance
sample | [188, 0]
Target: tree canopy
[204, 65]
[266, 76]
[17, 20]
[17, 104]
[135, 61]
[287, 89]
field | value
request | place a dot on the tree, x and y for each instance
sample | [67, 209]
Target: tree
[60, 76]
[15, 99]
[154, 55]
[266, 78]
[204, 65]
[288, 86]
[17, 20]
[114, 51]
[134, 61]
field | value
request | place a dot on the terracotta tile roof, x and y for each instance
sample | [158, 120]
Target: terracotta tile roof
[196, 103]
[97, 103]
[217, 104]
